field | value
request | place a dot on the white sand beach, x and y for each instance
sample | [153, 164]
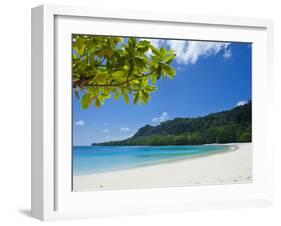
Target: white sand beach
[234, 166]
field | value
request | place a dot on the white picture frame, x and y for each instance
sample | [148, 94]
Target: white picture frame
[52, 197]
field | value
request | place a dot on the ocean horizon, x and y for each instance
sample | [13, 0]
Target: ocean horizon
[98, 159]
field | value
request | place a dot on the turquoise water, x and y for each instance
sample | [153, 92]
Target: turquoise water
[97, 159]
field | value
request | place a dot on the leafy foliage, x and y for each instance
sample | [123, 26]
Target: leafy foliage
[111, 66]
[223, 127]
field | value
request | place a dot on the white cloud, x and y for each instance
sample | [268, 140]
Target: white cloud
[227, 53]
[105, 131]
[155, 42]
[241, 103]
[188, 52]
[80, 123]
[133, 132]
[163, 117]
[125, 129]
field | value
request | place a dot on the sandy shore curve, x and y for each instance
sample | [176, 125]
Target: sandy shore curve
[233, 166]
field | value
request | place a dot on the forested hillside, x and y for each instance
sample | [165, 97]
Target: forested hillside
[230, 126]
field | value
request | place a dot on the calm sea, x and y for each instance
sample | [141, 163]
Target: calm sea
[97, 159]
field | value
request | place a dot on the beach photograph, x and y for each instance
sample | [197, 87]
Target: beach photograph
[151, 113]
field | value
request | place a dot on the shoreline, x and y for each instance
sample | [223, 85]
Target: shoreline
[223, 167]
[168, 161]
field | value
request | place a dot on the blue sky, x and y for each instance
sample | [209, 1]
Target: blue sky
[211, 77]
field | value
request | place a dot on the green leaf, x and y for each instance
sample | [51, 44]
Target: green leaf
[132, 42]
[154, 50]
[100, 52]
[80, 45]
[150, 88]
[118, 39]
[113, 89]
[98, 102]
[136, 81]
[106, 95]
[169, 58]
[154, 79]
[163, 52]
[168, 70]
[126, 98]
[126, 67]
[91, 46]
[101, 77]
[86, 101]
[117, 74]
[144, 96]
[140, 62]
[117, 95]
[136, 97]
[144, 43]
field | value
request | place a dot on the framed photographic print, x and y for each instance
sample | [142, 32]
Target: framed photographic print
[137, 113]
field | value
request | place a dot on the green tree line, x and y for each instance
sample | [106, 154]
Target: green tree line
[230, 126]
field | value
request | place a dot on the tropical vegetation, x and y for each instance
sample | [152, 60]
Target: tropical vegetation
[104, 67]
[229, 126]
